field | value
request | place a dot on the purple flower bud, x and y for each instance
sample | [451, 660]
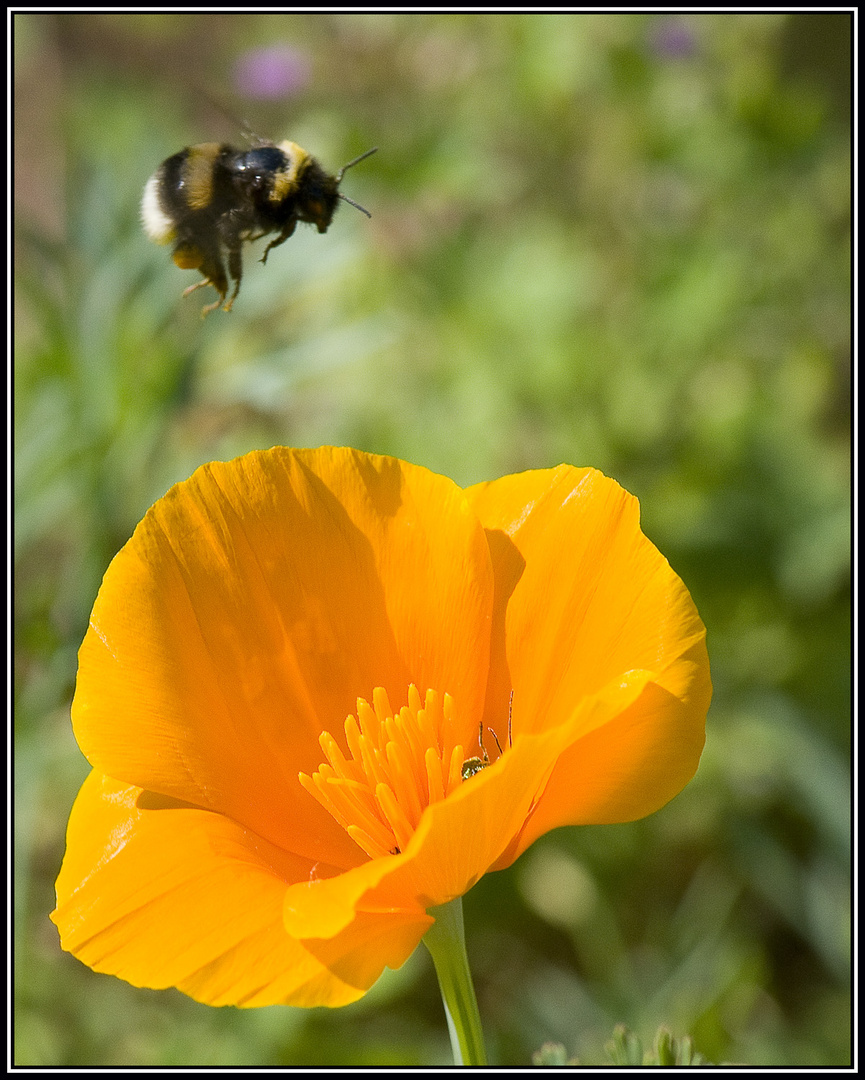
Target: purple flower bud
[672, 39]
[276, 71]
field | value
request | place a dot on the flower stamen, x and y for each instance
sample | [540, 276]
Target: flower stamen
[396, 765]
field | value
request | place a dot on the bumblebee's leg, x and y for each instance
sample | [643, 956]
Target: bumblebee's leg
[235, 270]
[287, 230]
[206, 310]
[209, 265]
[219, 281]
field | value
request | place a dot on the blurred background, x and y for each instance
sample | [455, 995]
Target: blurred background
[617, 240]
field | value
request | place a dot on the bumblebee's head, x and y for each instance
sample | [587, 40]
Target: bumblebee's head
[314, 191]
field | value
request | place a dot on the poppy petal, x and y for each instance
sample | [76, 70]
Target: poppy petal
[253, 604]
[166, 895]
[587, 599]
[623, 769]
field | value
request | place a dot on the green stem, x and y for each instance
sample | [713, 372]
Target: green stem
[446, 942]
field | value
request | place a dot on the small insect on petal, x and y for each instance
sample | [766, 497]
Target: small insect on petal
[473, 765]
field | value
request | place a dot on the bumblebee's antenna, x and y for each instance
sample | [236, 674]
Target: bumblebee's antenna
[354, 161]
[339, 176]
[356, 205]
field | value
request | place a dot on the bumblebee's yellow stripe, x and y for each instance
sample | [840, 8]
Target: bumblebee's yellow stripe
[198, 175]
[286, 181]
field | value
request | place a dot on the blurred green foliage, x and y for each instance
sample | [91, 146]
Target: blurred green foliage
[611, 240]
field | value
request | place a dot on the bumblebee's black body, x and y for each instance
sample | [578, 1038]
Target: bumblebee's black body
[210, 199]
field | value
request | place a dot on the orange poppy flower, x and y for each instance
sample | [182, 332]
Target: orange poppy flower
[511, 658]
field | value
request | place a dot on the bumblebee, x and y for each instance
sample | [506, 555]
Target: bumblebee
[210, 199]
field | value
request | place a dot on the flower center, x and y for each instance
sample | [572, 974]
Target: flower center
[399, 763]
